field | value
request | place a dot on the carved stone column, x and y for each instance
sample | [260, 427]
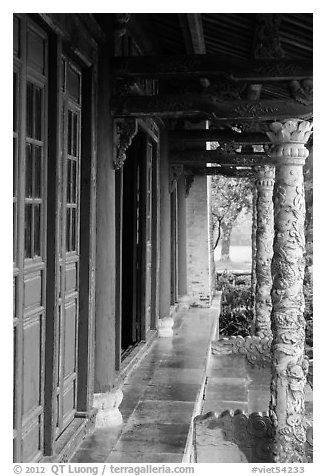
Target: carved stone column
[289, 364]
[253, 255]
[264, 249]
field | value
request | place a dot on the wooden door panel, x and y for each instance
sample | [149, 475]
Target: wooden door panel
[69, 402]
[32, 365]
[68, 236]
[71, 277]
[30, 193]
[32, 411]
[33, 290]
[70, 338]
[32, 441]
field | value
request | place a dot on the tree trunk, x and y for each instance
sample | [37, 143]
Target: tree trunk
[226, 239]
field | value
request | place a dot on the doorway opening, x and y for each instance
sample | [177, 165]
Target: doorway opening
[131, 318]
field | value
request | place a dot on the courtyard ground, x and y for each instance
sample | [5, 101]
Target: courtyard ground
[240, 259]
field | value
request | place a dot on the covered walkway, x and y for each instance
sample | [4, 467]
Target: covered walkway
[179, 379]
[161, 397]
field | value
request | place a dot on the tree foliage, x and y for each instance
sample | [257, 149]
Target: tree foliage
[230, 196]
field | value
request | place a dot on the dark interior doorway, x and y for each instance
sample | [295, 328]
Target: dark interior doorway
[131, 246]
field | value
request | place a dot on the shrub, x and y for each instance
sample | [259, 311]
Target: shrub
[236, 313]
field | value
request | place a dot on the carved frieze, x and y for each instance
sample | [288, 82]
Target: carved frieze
[253, 434]
[223, 89]
[202, 106]
[125, 130]
[254, 110]
[255, 349]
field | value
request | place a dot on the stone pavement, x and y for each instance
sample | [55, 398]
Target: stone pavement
[178, 379]
[161, 397]
[235, 384]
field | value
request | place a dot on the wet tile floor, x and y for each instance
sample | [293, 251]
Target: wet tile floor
[162, 393]
[159, 397]
[233, 383]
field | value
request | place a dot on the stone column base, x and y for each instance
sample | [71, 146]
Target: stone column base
[164, 327]
[108, 415]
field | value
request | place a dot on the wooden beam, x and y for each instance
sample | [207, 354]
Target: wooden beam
[208, 107]
[196, 33]
[206, 66]
[137, 29]
[195, 26]
[226, 172]
[193, 157]
[219, 135]
[183, 22]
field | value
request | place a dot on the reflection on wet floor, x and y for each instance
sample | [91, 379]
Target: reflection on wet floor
[165, 392]
[159, 397]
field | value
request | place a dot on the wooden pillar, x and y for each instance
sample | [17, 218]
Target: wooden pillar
[165, 225]
[182, 238]
[105, 237]
[289, 364]
[264, 249]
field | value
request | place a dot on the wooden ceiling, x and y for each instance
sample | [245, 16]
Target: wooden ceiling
[229, 33]
[237, 70]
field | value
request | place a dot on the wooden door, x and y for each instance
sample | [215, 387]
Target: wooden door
[145, 267]
[148, 255]
[68, 249]
[30, 189]
[130, 325]
[174, 247]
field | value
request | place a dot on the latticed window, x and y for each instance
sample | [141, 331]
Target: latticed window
[72, 180]
[33, 169]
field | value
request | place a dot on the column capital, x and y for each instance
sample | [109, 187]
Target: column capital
[288, 141]
[265, 175]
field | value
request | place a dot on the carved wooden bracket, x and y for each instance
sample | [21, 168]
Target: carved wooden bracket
[124, 131]
[189, 180]
[302, 91]
[257, 350]
[175, 173]
[120, 22]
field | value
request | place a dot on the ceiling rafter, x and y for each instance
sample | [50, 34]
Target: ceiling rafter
[193, 33]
